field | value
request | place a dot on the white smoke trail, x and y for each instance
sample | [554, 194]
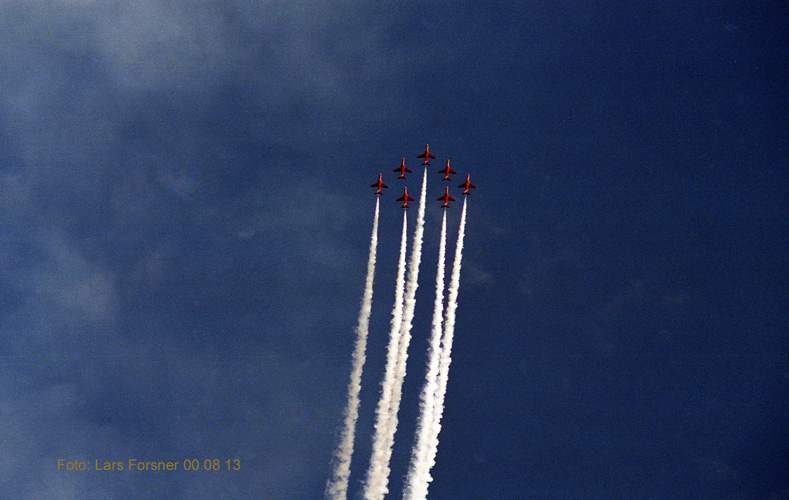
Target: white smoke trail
[383, 410]
[378, 475]
[446, 350]
[337, 486]
[416, 482]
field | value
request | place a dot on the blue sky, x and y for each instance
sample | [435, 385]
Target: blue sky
[185, 221]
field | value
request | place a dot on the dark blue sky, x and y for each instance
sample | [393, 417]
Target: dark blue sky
[185, 221]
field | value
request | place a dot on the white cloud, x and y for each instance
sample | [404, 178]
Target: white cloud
[109, 110]
[71, 281]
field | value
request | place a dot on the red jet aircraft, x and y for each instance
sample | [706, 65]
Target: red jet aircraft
[467, 185]
[380, 184]
[446, 198]
[402, 169]
[426, 155]
[446, 171]
[405, 198]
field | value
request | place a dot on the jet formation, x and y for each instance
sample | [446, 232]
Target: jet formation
[447, 171]
[423, 452]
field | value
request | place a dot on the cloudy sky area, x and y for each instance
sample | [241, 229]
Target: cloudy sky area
[185, 218]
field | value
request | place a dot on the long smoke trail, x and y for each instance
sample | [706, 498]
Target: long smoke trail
[383, 410]
[337, 486]
[419, 491]
[378, 474]
[419, 470]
